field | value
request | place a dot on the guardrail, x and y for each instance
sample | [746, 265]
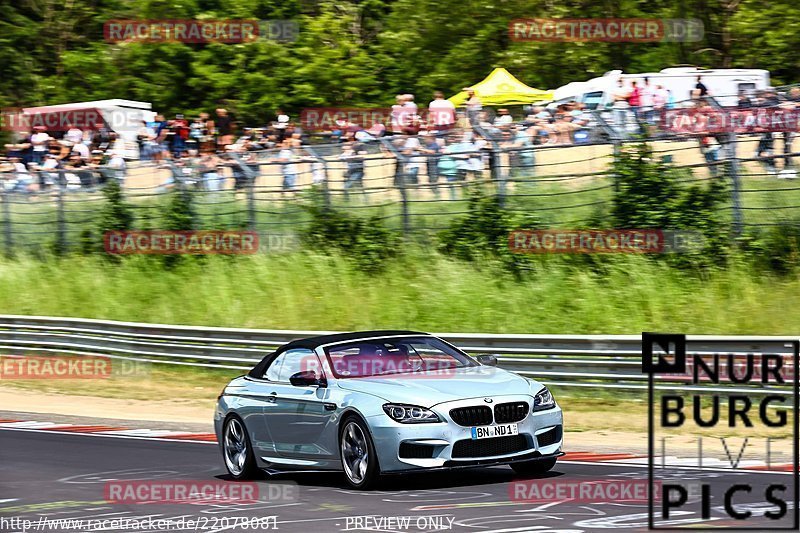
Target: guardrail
[598, 361]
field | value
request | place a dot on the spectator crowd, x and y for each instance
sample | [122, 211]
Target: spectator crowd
[449, 146]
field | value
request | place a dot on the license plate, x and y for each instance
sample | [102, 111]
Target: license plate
[487, 432]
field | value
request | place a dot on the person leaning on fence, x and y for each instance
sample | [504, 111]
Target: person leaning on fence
[287, 159]
[19, 180]
[209, 171]
[431, 148]
[353, 154]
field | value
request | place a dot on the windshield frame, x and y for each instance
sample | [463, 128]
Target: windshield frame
[468, 362]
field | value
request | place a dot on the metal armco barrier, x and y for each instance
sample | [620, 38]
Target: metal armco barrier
[598, 361]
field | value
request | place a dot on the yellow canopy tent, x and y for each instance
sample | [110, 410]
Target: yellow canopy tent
[501, 88]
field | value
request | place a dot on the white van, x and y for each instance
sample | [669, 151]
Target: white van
[723, 84]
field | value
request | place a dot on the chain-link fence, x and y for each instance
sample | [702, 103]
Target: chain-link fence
[414, 184]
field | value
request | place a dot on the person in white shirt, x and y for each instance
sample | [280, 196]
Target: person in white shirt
[39, 140]
[47, 172]
[441, 113]
[73, 135]
[415, 161]
[648, 95]
[503, 118]
[83, 150]
[287, 157]
[117, 164]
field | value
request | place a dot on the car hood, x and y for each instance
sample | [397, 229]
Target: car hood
[429, 389]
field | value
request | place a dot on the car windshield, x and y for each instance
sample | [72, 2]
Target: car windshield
[380, 357]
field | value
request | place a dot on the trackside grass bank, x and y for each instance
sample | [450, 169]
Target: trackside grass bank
[420, 289]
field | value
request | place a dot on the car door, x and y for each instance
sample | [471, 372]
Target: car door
[299, 414]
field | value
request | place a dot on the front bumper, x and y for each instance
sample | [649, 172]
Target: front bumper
[449, 445]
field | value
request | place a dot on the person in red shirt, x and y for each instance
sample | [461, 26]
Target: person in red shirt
[635, 98]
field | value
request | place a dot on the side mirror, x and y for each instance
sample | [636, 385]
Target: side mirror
[487, 360]
[306, 379]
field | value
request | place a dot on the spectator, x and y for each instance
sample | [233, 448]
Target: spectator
[564, 128]
[21, 180]
[744, 101]
[474, 106]
[431, 148]
[148, 147]
[353, 154]
[441, 113]
[701, 87]
[81, 149]
[209, 171]
[117, 164]
[179, 128]
[521, 142]
[48, 171]
[73, 135]
[224, 128]
[648, 93]
[503, 118]
[792, 103]
[397, 117]
[287, 158]
[39, 141]
[281, 124]
[411, 151]
[635, 99]
[78, 176]
[621, 106]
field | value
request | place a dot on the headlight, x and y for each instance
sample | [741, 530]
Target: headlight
[410, 414]
[543, 400]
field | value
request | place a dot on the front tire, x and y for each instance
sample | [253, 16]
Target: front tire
[534, 468]
[359, 460]
[237, 451]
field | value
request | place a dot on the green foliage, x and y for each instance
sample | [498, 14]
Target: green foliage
[354, 52]
[483, 234]
[776, 248]
[180, 214]
[365, 241]
[116, 214]
[649, 193]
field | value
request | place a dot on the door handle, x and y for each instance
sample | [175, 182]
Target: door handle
[272, 397]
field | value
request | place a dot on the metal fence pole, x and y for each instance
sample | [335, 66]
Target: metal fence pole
[7, 234]
[400, 179]
[249, 190]
[733, 167]
[326, 195]
[61, 231]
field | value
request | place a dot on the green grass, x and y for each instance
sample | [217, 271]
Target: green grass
[421, 289]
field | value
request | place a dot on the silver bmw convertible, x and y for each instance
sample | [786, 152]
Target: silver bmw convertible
[384, 402]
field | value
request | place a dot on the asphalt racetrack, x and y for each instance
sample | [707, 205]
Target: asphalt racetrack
[46, 476]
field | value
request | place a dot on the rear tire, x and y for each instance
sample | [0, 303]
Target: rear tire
[237, 450]
[534, 468]
[359, 460]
